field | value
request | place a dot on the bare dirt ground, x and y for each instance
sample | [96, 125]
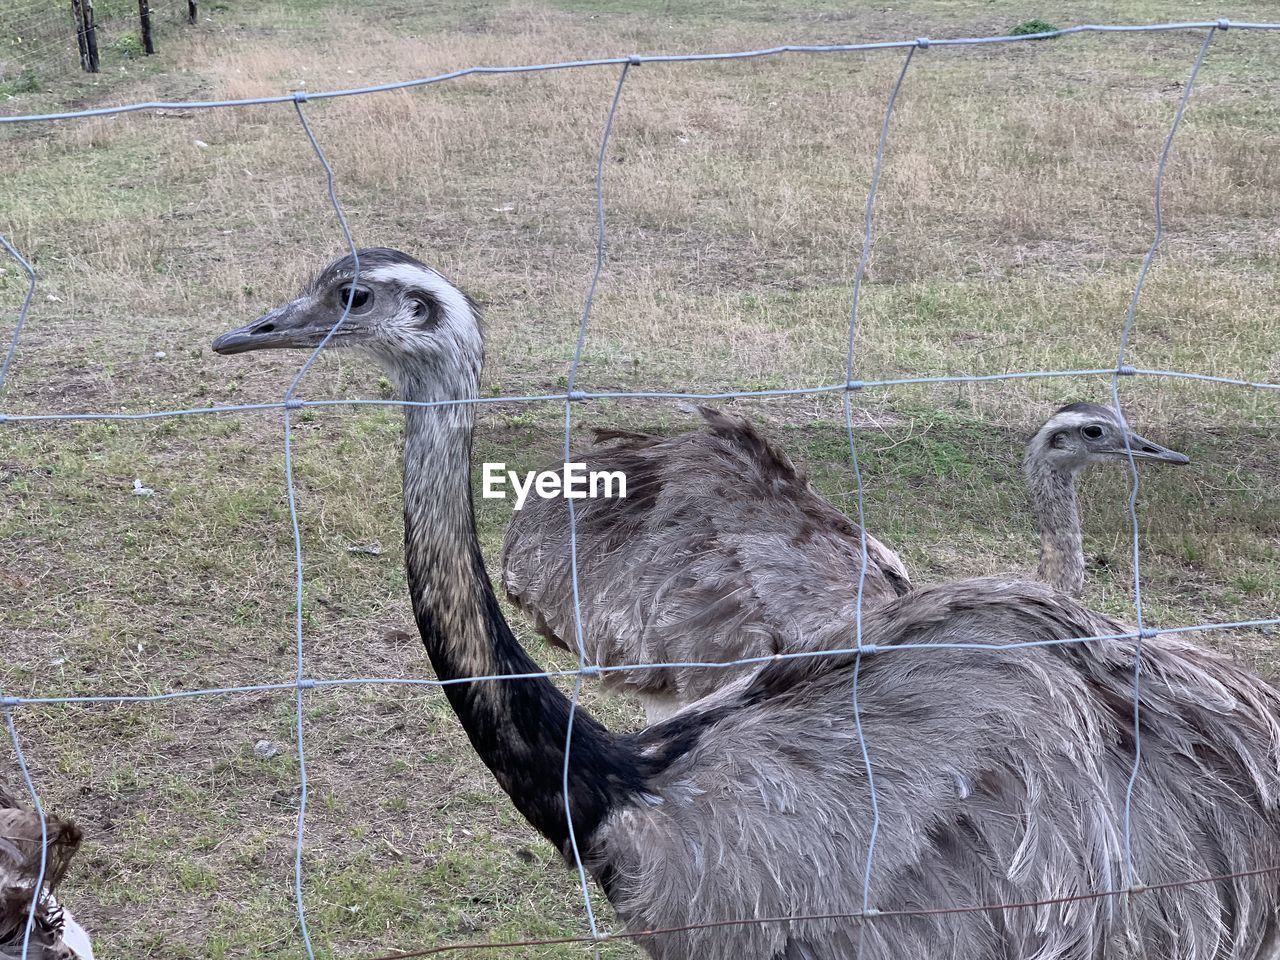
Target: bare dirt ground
[1015, 208]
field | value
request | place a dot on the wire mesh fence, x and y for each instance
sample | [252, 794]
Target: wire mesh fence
[44, 39]
[290, 404]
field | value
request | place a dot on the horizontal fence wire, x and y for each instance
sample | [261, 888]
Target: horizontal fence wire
[586, 395]
[311, 683]
[637, 59]
[859, 916]
[301, 683]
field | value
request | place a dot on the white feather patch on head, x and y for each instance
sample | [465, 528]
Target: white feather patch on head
[451, 299]
[1071, 418]
[458, 320]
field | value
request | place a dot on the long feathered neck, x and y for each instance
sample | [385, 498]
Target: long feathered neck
[518, 727]
[1057, 512]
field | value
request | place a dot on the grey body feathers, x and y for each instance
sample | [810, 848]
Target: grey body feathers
[1000, 777]
[721, 551]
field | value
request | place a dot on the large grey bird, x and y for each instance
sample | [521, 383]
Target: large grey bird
[55, 935]
[722, 551]
[1000, 773]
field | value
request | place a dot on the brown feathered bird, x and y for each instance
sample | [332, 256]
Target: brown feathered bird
[54, 934]
[1001, 772]
[721, 550]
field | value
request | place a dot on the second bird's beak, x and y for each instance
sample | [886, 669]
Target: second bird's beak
[1144, 449]
[293, 325]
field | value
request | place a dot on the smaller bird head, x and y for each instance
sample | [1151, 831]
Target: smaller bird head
[402, 313]
[34, 848]
[1081, 434]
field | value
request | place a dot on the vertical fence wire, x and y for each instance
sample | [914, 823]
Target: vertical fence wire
[289, 401]
[1142, 632]
[850, 358]
[300, 675]
[573, 518]
[37, 889]
[298, 100]
[23, 310]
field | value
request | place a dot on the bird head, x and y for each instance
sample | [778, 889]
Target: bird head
[35, 853]
[1081, 434]
[385, 303]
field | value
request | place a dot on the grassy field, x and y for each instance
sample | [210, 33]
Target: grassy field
[1015, 208]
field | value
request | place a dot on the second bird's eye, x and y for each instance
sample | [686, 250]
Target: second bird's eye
[1092, 432]
[360, 299]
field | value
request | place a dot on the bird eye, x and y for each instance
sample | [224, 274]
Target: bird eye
[1092, 432]
[361, 298]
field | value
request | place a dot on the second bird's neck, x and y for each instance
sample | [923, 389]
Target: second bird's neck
[518, 727]
[1057, 512]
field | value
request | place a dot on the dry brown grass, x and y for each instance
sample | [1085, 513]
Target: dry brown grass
[1015, 207]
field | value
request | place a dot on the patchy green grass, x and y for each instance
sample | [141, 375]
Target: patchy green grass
[1015, 208]
[1031, 27]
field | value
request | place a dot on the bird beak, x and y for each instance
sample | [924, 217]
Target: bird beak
[295, 325]
[1144, 449]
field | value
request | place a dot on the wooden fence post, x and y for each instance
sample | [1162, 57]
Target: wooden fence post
[77, 20]
[90, 34]
[144, 16]
[86, 34]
